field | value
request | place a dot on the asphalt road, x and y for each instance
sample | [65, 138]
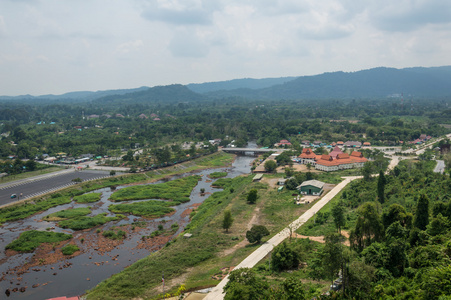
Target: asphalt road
[44, 185]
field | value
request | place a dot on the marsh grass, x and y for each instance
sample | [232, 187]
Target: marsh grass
[177, 190]
[25, 210]
[68, 214]
[221, 183]
[70, 249]
[81, 223]
[215, 175]
[114, 234]
[88, 198]
[30, 240]
[148, 209]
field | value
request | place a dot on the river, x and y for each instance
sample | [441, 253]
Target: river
[73, 276]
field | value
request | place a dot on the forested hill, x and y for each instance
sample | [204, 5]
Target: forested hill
[71, 96]
[372, 83]
[168, 94]
[248, 83]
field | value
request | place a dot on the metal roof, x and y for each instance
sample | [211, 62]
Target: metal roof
[313, 182]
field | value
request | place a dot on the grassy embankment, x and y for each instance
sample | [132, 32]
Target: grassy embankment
[42, 203]
[30, 240]
[178, 191]
[196, 260]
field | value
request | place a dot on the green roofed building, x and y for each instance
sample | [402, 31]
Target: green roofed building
[311, 187]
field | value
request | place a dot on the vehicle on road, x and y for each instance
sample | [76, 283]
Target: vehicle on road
[13, 196]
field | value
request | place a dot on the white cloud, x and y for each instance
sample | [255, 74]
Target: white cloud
[2, 26]
[91, 44]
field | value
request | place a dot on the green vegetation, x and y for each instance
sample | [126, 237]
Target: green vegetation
[114, 234]
[70, 249]
[68, 214]
[88, 198]
[216, 175]
[30, 240]
[177, 190]
[81, 223]
[149, 209]
[252, 196]
[222, 182]
[25, 210]
[256, 233]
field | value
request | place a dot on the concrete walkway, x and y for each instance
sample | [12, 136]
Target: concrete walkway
[267, 247]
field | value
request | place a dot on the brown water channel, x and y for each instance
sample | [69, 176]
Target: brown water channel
[73, 276]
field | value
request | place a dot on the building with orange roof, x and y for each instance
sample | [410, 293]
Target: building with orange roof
[334, 161]
[342, 161]
[307, 156]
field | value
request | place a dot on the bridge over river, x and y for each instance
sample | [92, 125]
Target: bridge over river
[251, 151]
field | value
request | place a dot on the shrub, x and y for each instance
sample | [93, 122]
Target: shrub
[114, 235]
[256, 233]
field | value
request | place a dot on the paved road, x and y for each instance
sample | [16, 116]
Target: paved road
[45, 183]
[263, 250]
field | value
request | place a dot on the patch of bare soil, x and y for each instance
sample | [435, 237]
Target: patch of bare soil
[320, 238]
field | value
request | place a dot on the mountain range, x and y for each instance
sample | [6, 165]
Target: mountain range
[418, 82]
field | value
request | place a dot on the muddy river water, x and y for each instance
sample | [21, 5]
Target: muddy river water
[75, 275]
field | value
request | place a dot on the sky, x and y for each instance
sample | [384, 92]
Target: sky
[59, 46]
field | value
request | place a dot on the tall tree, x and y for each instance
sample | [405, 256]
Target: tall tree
[227, 221]
[270, 166]
[368, 228]
[381, 187]
[422, 213]
[338, 213]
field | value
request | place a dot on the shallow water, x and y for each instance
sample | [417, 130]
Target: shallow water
[91, 267]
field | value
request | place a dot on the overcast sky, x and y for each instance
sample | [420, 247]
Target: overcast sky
[58, 46]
